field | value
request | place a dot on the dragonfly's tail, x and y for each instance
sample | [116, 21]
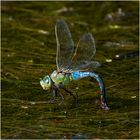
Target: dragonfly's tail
[79, 74]
[102, 90]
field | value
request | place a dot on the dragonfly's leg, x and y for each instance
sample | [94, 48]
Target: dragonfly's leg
[70, 92]
[52, 100]
[59, 94]
[56, 92]
[62, 97]
[53, 95]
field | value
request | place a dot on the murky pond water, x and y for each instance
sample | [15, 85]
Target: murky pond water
[28, 53]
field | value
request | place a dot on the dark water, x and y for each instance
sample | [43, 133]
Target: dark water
[28, 49]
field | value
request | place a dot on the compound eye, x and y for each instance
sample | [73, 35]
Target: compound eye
[47, 81]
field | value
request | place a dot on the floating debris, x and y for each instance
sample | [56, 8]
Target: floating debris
[42, 43]
[112, 44]
[117, 56]
[77, 88]
[133, 97]
[35, 30]
[32, 103]
[121, 43]
[24, 107]
[10, 18]
[108, 60]
[127, 55]
[64, 10]
[116, 16]
[82, 23]
[11, 54]
[30, 61]
[114, 26]
[43, 32]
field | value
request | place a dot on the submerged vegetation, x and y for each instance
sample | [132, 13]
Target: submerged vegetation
[28, 53]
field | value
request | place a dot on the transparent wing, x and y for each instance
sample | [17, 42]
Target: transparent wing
[65, 45]
[84, 52]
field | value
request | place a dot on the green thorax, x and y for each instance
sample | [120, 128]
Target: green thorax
[60, 78]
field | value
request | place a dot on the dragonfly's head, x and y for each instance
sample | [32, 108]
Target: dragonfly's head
[46, 82]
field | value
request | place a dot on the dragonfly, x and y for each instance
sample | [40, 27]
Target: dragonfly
[73, 63]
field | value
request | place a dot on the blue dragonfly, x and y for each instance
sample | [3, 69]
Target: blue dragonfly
[73, 64]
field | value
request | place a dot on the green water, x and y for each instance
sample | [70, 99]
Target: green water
[28, 50]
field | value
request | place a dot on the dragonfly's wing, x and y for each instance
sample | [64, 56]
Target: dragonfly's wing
[84, 52]
[65, 45]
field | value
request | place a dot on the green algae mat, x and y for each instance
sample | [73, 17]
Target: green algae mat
[28, 52]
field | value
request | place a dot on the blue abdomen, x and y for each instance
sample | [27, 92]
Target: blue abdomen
[78, 75]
